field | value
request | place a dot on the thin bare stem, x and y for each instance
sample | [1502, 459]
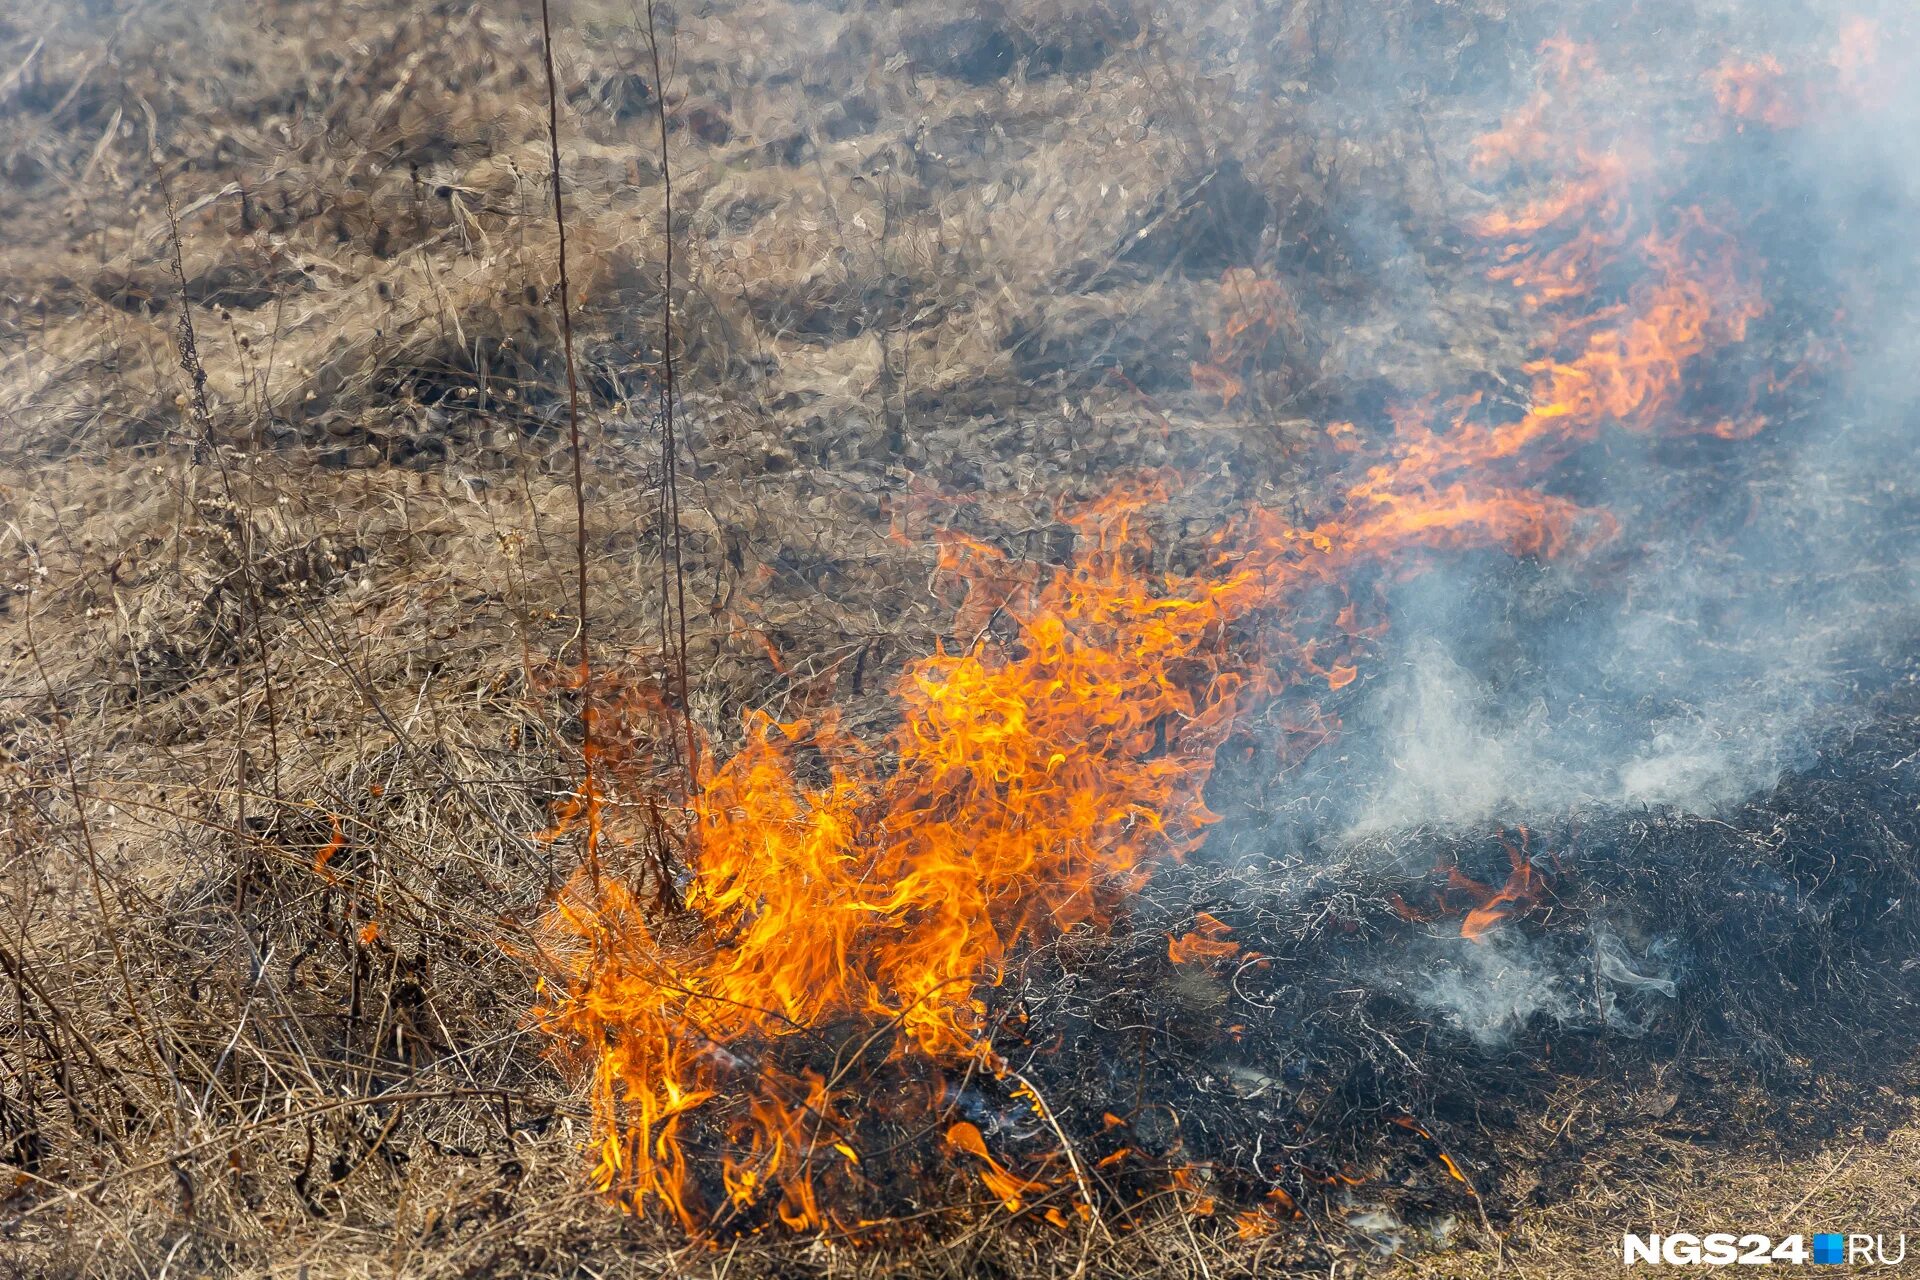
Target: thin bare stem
[589, 786]
[78, 796]
[669, 441]
[196, 373]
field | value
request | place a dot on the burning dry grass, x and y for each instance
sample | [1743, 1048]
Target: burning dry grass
[1034, 785]
[287, 708]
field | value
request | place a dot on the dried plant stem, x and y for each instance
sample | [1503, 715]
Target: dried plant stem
[249, 570]
[25, 980]
[589, 785]
[669, 442]
[108, 924]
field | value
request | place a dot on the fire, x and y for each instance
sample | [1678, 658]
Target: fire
[1757, 91]
[1859, 71]
[843, 907]
[1191, 1180]
[1264, 1220]
[1760, 91]
[988, 581]
[1517, 896]
[336, 841]
[1253, 310]
[1486, 907]
[1453, 1170]
[1008, 1188]
[1209, 941]
[1525, 136]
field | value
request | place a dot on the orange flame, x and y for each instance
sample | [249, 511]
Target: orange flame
[1515, 897]
[1007, 1187]
[1523, 890]
[1198, 1201]
[990, 581]
[1757, 91]
[1210, 940]
[848, 893]
[1252, 311]
[325, 853]
[1453, 1170]
[1760, 91]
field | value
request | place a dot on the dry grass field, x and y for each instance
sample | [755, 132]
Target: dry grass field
[870, 303]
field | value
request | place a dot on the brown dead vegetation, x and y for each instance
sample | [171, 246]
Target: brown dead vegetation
[280, 713]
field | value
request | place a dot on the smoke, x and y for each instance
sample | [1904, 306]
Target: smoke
[1449, 760]
[1490, 991]
[1628, 984]
[1758, 593]
[1593, 979]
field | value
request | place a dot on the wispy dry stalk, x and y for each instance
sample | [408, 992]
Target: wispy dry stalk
[109, 922]
[249, 567]
[669, 442]
[588, 783]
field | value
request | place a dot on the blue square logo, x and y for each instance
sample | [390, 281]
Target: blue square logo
[1829, 1247]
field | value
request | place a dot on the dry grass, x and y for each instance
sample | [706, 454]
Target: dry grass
[279, 712]
[1863, 1181]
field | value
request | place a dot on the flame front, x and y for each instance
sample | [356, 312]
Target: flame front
[847, 900]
